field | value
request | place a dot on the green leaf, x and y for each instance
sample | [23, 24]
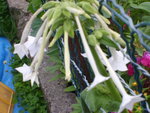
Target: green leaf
[50, 14]
[53, 69]
[144, 6]
[71, 33]
[68, 24]
[66, 13]
[50, 4]
[146, 18]
[98, 34]
[55, 59]
[34, 5]
[92, 40]
[59, 33]
[35, 26]
[100, 97]
[108, 42]
[139, 51]
[70, 88]
[57, 13]
[58, 22]
[87, 7]
[131, 81]
[59, 76]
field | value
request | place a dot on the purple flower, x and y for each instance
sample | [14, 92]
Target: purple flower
[145, 60]
[130, 70]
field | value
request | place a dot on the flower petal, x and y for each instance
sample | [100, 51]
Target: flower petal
[129, 101]
[21, 50]
[97, 80]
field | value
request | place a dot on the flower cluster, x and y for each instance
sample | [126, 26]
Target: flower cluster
[54, 21]
[144, 61]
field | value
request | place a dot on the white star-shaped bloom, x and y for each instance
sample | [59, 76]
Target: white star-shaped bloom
[129, 101]
[32, 45]
[118, 61]
[97, 80]
[28, 74]
[34, 78]
[26, 71]
[21, 50]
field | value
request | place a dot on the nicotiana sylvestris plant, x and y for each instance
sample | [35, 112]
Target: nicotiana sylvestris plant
[63, 19]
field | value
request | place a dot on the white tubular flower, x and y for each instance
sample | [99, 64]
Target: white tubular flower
[28, 25]
[127, 99]
[28, 74]
[96, 81]
[32, 45]
[34, 78]
[26, 71]
[20, 50]
[67, 57]
[98, 77]
[118, 61]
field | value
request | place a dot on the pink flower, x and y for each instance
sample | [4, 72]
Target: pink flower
[138, 60]
[130, 70]
[145, 60]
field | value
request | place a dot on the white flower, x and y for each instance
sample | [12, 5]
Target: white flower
[129, 101]
[97, 80]
[21, 50]
[67, 57]
[26, 71]
[33, 45]
[118, 61]
[34, 78]
[98, 77]
[28, 74]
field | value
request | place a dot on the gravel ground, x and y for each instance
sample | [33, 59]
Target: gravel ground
[58, 100]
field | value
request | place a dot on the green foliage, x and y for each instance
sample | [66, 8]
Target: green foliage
[34, 5]
[92, 40]
[30, 98]
[108, 42]
[58, 66]
[87, 7]
[70, 88]
[99, 97]
[7, 24]
[35, 26]
[77, 108]
[144, 6]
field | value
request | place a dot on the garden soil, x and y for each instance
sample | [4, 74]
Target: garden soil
[58, 100]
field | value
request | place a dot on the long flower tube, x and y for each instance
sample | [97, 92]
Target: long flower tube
[20, 48]
[67, 56]
[98, 77]
[128, 101]
[43, 45]
[33, 46]
[28, 26]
